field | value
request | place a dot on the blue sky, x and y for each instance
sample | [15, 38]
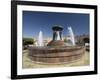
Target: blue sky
[34, 21]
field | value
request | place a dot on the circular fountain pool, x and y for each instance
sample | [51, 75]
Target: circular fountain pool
[56, 55]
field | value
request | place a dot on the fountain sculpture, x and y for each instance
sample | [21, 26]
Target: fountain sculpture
[57, 37]
[56, 51]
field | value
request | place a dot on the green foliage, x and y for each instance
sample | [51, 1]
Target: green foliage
[27, 41]
[86, 40]
[65, 40]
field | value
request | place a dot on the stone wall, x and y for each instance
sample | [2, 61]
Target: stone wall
[56, 55]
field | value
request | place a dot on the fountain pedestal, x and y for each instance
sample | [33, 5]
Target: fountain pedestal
[57, 37]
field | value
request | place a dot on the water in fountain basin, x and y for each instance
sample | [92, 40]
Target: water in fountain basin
[71, 35]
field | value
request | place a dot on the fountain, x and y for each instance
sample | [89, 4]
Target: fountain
[72, 38]
[56, 51]
[40, 39]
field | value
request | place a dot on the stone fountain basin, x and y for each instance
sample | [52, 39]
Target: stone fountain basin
[56, 54]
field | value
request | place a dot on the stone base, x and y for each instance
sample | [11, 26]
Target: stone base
[56, 55]
[56, 43]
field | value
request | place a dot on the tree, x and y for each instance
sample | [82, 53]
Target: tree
[27, 41]
[86, 40]
[65, 40]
